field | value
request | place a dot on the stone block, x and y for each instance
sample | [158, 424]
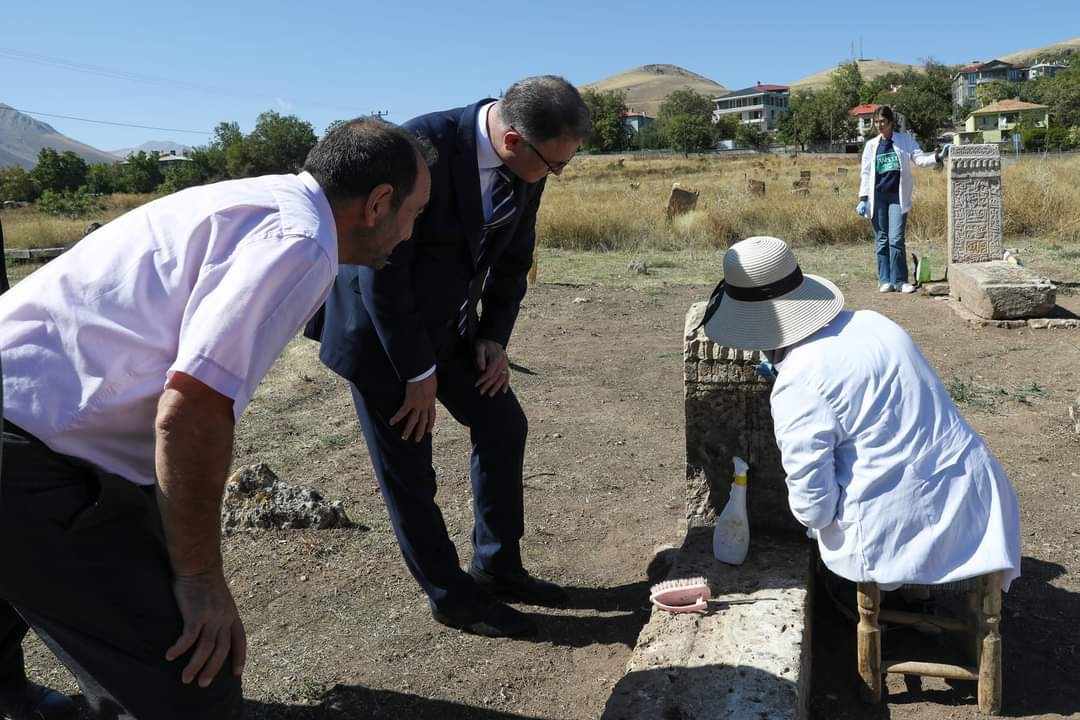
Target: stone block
[974, 203]
[998, 290]
[748, 657]
[727, 414]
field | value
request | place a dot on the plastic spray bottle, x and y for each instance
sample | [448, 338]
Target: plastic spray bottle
[731, 536]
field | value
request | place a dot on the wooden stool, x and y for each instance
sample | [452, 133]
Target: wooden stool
[983, 603]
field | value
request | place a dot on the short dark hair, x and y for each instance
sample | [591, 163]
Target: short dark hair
[885, 111]
[545, 107]
[357, 155]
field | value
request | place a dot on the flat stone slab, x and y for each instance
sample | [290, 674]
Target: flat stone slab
[998, 290]
[1051, 323]
[747, 658]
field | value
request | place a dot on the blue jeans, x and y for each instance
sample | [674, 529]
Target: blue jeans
[889, 223]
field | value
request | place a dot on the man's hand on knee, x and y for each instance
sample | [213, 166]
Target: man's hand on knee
[418, 410]
[212, 627]
[494, 367]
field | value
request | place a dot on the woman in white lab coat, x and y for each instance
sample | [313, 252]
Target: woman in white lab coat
[890, 479]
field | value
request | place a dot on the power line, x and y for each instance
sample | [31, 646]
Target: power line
[36, 58]
[110, 122]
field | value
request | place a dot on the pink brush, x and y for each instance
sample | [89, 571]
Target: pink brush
[682, 595]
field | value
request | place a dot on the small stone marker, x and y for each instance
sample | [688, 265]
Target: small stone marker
[756, 187]
[974, 203]
[841, 172]
[804, 175]
[681, 201]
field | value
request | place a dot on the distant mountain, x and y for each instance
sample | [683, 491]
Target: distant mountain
[870, 69]
[163, 147]
[1070, 47]
[648, 85]
[22, 137]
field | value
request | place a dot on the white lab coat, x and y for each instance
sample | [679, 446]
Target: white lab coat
[908, 150]
[894, 484]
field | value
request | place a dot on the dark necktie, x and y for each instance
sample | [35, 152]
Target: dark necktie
[503, 208]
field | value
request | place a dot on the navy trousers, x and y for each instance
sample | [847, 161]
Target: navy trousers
[83, 561]
[497, 429]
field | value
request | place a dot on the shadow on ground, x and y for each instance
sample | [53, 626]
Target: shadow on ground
[349, 702]
[1040, 643]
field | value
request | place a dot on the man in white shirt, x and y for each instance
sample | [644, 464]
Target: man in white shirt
[893, 483]
[126, 362]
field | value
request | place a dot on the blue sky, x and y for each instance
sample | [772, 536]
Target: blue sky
[190, 65]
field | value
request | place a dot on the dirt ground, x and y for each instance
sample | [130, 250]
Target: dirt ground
[338, 629]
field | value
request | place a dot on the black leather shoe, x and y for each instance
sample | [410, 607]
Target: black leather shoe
[34, 702]
[493, 619]
[519, 586]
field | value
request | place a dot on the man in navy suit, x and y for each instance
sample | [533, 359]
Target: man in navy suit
[434, 324]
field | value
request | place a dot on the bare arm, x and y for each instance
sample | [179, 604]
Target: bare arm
[194, 437]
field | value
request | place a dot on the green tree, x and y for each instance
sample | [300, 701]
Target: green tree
[278, 144]
[649, 138]
[689, 133]
[684, 120]
[140, 173]
[846, 83]
[16, 184]
[727, 126]
[752, 136]
[58, 171]
[102, 178]
[815, 118]
[608, 131]
[684, 102]
[992, 92]
[73, 204]
[1062, 94]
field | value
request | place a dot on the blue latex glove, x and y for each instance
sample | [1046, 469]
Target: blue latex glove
[944, 151]
[765, 370]
[860, 209]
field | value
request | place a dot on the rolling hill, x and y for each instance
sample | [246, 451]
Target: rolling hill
[1024, 56]
[869, 68]
[22, 137]
[648, 85]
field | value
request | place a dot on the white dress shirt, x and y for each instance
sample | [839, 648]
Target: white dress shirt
[211, 281]
[486, 162]
[894, 484]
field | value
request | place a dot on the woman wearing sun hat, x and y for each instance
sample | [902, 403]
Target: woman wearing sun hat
[893, 483]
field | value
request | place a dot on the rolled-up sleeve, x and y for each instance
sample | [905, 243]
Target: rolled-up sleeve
[243, 312]
[807, 433]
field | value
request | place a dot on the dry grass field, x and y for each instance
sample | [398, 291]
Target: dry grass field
[616, 203]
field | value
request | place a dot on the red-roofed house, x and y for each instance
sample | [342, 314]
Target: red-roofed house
[633, 121]
[864, 114]
[968, 78]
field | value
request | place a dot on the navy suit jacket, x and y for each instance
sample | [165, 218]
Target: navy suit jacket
[387, 325]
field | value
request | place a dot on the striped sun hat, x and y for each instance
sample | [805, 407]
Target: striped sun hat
[765, 301]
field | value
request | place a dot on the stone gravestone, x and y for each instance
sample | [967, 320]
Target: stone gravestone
[727, 414]
[681, 201]
[974, 203]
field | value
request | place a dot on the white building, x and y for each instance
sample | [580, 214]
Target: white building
[761, 105]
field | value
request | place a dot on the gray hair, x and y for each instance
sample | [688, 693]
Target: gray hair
[545, 107]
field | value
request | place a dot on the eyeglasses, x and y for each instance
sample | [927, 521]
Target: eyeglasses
[553, 169]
